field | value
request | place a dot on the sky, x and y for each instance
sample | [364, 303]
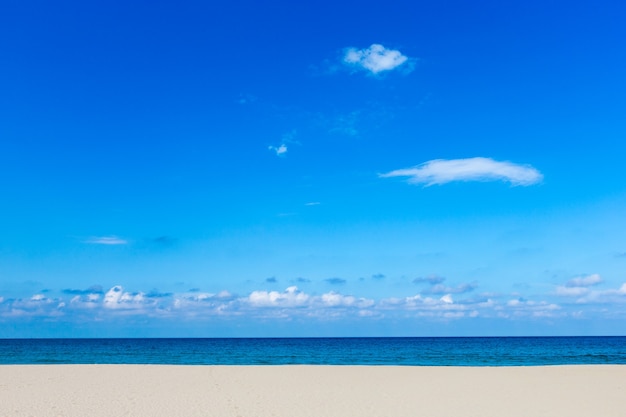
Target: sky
[276, 169]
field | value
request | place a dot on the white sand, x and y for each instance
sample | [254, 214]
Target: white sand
[294, 391]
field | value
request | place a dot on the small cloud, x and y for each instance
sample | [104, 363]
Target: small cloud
[447, 299]
[246, 99]
[302, 280]
[281, 150]
[444, 289]
[431, 279]
[335, 281]
[442, 171]
[288, 138]
[620, 255]
[586, 281]
[378, 276]
[312, 203]
[374, 59]
[271, 280]
[39, 297]
[94, 289]
[194, 289]
[106, 240]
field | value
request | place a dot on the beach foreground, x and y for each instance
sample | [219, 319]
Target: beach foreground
[298, 391]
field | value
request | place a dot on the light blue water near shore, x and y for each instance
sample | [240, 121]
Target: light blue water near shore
[422, 351]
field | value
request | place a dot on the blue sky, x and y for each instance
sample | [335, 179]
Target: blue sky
[312, 169]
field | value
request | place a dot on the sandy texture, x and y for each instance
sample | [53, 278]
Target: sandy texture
[294, 391]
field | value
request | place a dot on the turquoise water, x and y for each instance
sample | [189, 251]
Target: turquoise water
[422, 351]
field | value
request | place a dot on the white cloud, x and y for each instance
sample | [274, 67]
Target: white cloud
[613, 295]
[528, 308]
[441, 171]
[375, 59]
[106, 240]
[85, 301]
[291, 297]
[417, 302]
[37, 305]
[621, 290]
[580, 286]
[586, 281]
[117, 298]
[280, 150]
[447, 299]
[566, 291]
[334, 299]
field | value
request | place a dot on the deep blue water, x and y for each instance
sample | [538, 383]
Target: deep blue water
[438, 351]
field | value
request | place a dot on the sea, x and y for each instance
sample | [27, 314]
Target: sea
[403, 351]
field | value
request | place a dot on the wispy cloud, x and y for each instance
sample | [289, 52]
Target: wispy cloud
[441, 171]
[520, 308]
[246, 99]
[566, 291]
[281, 150]
[374, 59]
[312, 203]
[431, 279]
[584, 281]
[582, 289]
[106, 240]
[578, 286]
[288, 138]
[335, 281]
[445, 289]
[346, 124]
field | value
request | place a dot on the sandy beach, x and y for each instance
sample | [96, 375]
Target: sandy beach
[298, 391]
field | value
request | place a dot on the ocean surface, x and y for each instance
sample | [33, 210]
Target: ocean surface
[420, 351]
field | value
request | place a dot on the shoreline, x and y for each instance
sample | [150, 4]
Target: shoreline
[311, 390]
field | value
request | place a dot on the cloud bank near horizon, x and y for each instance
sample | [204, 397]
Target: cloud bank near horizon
[574, 300]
